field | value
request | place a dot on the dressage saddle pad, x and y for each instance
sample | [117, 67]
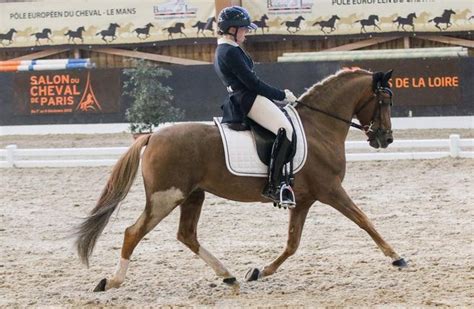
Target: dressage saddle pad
[241, 155]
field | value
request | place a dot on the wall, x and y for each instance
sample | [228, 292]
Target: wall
[430, 87]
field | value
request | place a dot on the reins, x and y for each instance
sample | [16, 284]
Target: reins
[351, 123]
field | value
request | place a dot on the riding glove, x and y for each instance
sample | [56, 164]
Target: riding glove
[290, 97]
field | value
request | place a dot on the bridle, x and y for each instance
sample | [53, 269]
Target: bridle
[367, 129]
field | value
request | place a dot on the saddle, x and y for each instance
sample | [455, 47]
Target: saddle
[248, 146]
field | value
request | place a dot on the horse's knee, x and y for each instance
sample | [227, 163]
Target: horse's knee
[291, 249]
[189, 240]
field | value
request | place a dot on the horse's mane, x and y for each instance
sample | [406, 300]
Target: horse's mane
[342, 73]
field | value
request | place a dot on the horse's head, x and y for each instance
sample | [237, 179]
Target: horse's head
[149, 25]
[413, 15]
[114, 25]
[300, 18]
[449, 12]
[12, 30]
[335, 17]
[81, 28]
[374, 111]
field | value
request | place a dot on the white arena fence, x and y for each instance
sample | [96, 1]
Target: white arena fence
[454, 147]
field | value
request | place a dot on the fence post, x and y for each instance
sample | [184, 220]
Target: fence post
[11, 155]
[454, 148]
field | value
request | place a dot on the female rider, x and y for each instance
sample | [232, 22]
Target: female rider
[251, 97]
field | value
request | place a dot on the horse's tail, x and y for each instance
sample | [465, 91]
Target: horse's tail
[98, 33]
[164, 29]
[115, 191]
[283, 23]
[430, 20]
[196, 25]
[359, 20]
[317, 23]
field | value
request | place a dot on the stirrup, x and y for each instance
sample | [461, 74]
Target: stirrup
[290, 201]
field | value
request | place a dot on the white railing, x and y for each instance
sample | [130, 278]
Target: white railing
[454, 147]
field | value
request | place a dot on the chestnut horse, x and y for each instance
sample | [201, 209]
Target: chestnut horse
[182, 162]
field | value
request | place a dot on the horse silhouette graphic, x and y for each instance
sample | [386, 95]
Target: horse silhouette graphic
[143, 31]
[293, 24]
[402, 21]
[7, 36]
[330, 23]
[42, 35]
[73, 35]
[445, 18]
[205, 25]
[262, 23]
[368, 22]
[109, 32]
[177, 28]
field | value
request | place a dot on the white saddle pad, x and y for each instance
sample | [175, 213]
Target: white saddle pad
[241, 155]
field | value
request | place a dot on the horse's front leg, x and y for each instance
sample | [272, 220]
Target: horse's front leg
[339, 199]
[295, 228]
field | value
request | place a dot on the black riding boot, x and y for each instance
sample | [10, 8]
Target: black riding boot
[280, 152]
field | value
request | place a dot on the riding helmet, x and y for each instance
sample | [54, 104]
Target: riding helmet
[234, 16]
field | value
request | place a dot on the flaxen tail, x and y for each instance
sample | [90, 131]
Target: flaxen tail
[115, 191]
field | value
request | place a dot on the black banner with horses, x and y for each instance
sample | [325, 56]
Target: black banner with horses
[431, 87]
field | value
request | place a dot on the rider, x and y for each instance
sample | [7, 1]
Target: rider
[251, 97]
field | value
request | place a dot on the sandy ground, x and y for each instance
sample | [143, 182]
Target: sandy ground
[423, 208]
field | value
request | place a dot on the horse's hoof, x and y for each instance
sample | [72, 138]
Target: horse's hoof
[400, 263]
[230, 280]
[252, 275]
[101, 286]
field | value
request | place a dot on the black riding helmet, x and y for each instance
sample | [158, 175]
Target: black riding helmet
[234, 16]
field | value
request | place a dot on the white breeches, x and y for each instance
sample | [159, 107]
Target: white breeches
[268, 115]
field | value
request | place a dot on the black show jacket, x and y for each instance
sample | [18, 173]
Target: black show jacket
[235, 69]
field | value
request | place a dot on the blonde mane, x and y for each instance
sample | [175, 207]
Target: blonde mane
[328, 79]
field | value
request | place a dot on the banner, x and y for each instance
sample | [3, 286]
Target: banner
[67, 92]
[343, 17]
[47, 22]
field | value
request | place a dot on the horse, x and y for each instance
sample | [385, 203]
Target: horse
[75, 34]
[402, 21]
[445, 18]
[182, 162]
[109, 32]
[368, 22]
[207, 25]
[145, 31]
[327, 23]
[7, 36]
[177, 28]
[388, 19]
[349, 20]
[262, 23]
[293, 24]
[42, 35]
[462, 15]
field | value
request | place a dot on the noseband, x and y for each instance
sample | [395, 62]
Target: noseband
[367, 129]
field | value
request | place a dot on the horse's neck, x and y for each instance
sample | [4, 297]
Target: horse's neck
[340, 103]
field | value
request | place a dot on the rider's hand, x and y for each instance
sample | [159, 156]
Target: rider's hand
[290, 97]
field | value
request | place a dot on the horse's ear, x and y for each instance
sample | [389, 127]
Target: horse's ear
[386, 77]
[377, 80]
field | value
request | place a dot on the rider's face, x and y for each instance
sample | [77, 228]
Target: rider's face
[241, 32]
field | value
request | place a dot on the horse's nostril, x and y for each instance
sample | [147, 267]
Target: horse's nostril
[390, 140]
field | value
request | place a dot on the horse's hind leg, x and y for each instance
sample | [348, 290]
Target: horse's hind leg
[339, 199]
[295, 228]
[187, 234]
[158, 206]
